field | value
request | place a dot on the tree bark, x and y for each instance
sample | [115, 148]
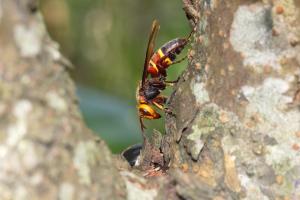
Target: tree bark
[46, 150]
[237, 105]
[236, 133]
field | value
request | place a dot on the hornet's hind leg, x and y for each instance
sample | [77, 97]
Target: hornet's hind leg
[172, 83]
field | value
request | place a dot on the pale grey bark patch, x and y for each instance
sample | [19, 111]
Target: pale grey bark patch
[200, 92]
[251, 34]
[66, 191]
[83, 159]
[55, 101]
[18, 129]
[28, 39]
[136, 187]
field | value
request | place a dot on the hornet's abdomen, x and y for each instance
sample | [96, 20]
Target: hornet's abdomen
[165, 56]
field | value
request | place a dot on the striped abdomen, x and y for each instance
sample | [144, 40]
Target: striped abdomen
[165, 56]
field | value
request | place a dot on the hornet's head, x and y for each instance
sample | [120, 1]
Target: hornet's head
[146, 111]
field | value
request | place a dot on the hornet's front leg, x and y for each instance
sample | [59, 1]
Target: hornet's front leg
[159, 103]
[143, 128]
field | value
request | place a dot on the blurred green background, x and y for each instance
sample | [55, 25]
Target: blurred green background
[106, 41]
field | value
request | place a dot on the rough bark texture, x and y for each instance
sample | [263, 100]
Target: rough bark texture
[46, 151]
[236, 134]
[237, 105]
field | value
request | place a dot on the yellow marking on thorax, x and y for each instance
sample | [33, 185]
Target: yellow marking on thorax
[167, 60]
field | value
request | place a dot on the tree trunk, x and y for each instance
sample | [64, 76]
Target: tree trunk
[237, 125]
[236, 133]
[46, 150]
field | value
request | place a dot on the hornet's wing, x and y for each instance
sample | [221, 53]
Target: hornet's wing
[150, 47]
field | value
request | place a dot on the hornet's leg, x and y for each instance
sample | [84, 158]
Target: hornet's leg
[143, 128]
[179, 61]
[165, 109]
[172, 83]
[161, 100]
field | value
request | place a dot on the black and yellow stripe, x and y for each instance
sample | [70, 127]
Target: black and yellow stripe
[167, 60]
[154, 66]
